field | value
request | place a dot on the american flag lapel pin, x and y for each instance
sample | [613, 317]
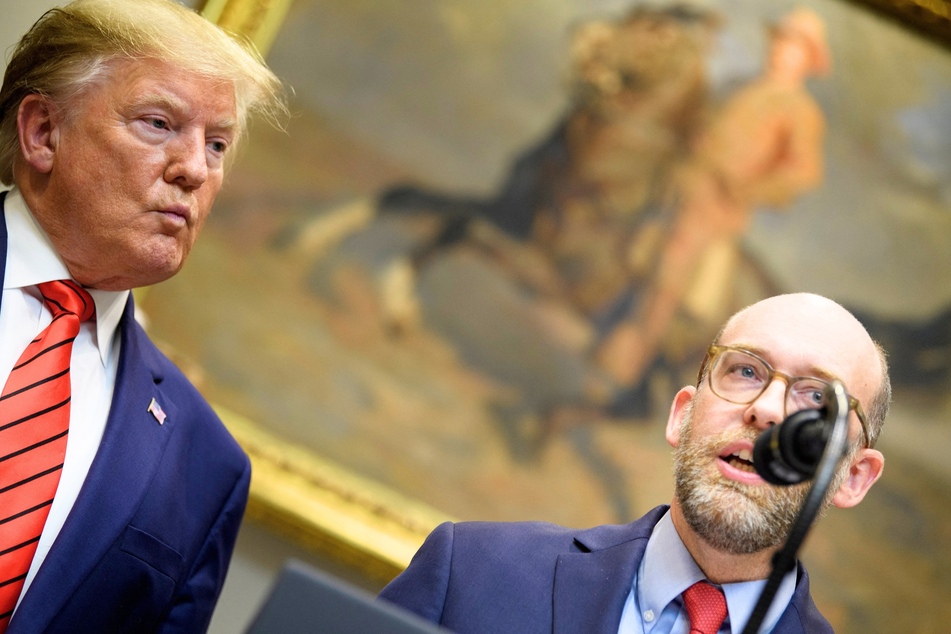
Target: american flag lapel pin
[156, 410]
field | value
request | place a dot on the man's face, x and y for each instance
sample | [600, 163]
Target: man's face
[135, 169]
[720, 496]
[734, 516]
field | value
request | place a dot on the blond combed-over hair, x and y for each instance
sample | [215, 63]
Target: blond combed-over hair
[72, 48]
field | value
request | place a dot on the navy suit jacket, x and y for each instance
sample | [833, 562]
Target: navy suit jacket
[146, 546]
[528, 577]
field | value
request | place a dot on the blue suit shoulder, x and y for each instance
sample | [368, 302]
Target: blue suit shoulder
[462, 568]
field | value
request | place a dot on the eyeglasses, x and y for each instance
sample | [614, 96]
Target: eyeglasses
[739, 376]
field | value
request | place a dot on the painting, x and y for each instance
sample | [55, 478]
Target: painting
[495, 239]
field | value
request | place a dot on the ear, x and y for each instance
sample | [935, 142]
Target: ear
[37, 129]
[865, 470]
[677, 410]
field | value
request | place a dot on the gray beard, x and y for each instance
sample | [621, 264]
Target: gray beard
[732, 517]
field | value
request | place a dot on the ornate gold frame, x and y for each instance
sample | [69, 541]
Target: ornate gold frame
[324, 506]
[259, 20]
[328, 508]
[929, 17]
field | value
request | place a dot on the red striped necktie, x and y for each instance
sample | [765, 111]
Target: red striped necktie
[34, 422]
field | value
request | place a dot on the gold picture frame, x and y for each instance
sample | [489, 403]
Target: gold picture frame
[327, 508]
[929, 17]
[258, 20]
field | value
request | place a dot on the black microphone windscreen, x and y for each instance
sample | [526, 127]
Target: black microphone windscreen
[789, 453]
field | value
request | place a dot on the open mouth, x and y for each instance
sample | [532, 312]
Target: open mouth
[741, 460]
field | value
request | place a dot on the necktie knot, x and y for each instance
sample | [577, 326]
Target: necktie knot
[706, 607]
[66, 296]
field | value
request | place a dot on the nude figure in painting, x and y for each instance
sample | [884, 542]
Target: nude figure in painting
[762, 149]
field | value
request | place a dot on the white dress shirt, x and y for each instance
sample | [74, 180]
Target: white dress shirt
[654, 605]
[31, 260]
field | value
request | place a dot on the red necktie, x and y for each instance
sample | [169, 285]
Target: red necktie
[34, 422]
[706, 607]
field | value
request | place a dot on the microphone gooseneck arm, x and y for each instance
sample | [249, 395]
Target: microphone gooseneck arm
[785, 559]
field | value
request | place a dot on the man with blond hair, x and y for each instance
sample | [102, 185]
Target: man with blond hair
[699, 564]
[121, 492]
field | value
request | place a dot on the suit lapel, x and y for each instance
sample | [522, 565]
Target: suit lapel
[590, 587]
[119, 477]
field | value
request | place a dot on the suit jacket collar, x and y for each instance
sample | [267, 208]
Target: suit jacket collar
[592, 584]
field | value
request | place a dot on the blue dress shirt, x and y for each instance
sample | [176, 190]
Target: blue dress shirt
[654, 605]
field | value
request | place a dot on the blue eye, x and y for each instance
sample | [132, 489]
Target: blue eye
[809, 393]
[744, 371]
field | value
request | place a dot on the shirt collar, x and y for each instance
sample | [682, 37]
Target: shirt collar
[32, 260]
[668, 569]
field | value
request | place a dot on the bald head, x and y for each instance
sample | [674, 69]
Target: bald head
[821, 338]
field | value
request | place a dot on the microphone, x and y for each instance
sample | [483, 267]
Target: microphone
[789, 453]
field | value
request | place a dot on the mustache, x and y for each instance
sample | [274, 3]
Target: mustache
[722, 438]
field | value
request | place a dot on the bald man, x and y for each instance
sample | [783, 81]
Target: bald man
[707, 555]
